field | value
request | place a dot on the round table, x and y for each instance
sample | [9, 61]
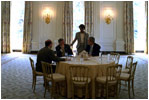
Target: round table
[97, 67]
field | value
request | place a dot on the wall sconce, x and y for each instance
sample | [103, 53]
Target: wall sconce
[47, 15]
[108, 16]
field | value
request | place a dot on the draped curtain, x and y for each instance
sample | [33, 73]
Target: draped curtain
[27, 34]
[89, 17]
[5, 26]
[68, 21]
[146, 10]
[128, 27]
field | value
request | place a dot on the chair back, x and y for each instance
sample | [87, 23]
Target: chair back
[116, 57]
[47, 70]
[113, 73]
[79, 73]
[129, 62]
[32, 65]
[118, 70]
[133, 69]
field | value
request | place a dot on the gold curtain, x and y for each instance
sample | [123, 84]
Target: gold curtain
[89, 17]
[68, 21]
[27, 35]
[146, 10]
[128, 27]
[5, 26]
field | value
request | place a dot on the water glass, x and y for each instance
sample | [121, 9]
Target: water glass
[66, 54]
[81, 60]
[100, 55]
[108, 57]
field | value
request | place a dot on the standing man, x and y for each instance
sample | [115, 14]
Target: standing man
[63, 48]
[47, 55]
[92, 48]
[82, 38]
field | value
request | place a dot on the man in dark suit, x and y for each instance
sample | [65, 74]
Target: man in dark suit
[92, 48]
[63, 48]
[47, 55]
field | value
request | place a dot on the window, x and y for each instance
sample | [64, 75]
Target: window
[16, 25]
[139, 25]
[78, 17]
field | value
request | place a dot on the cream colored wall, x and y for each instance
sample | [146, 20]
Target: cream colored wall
[110, 37]
[43, 31]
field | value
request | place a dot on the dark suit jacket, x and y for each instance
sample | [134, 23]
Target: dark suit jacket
[67, 49]
[95, 51]
[46, 55]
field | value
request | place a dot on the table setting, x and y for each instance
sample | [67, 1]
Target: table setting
[97, 67]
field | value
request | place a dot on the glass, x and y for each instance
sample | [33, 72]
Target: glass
[75, 52]
[100, 55]
[73, 59]
[66, 54]
[108, 57]
[81, 60]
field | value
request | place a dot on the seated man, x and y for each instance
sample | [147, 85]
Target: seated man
[92, 48]
[47, 55]
[63, 48]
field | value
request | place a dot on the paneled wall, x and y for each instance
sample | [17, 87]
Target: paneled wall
[43, 31]
[109, 36]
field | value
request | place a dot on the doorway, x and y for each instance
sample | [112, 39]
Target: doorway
[139, 26]
[16, 25]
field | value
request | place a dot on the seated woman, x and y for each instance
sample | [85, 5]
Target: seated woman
[92, 48]
[63, 48]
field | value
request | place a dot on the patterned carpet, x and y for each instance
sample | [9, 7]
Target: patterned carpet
[16, 78]
[7, 57]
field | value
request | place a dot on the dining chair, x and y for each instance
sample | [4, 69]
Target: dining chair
[116, 57]
[128, 66]
[111, 79]
[79, 78]
[34, 73]
[129, 77]
[49, 76]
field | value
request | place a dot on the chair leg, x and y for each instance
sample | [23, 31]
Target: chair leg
[117, 91]
[53, 90]
[66, 87]
[72, 91]
[133, 87]
[86, 95]
[58, 88]
[125, 83]
[45, 89]
[129, 89]
[119, 86]
[107, 91]
[102, 91]
[34, 83]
